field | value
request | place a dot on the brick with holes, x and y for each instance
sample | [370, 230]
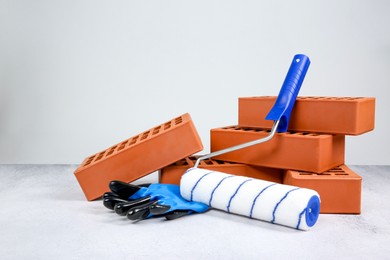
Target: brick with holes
[138, 156]
[333, 115]
[291, 150]
[339, 188]
[172, 173]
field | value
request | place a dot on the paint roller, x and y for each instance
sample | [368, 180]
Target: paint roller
[276, 203]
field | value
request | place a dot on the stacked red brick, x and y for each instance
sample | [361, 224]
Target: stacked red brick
[310, 154]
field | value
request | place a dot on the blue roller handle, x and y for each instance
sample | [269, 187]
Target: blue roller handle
[288, 94]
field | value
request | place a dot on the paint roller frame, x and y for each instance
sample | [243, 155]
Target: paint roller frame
[280, 113]
[282, 108]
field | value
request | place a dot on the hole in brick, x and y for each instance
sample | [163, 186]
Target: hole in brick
[336, 172]
[181, 162]
[341, 173]
[145, 135]
[336, 169]
[261, 130]
[122, 145]
[100, 156]
[111, 150]
[167, 125]
[193, 158]
[305, 173]
[313, 173]
[208, 162]
[134, 140]
[248, 129]
[90, 159]
[220, 162]
[178, 120]
[156, 130]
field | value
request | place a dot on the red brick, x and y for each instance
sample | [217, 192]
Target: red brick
[139, 155]
[339, 188]
[172, 173]
[291, 150]
[333, 115]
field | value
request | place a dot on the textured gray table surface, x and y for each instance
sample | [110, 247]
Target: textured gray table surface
[44, 215]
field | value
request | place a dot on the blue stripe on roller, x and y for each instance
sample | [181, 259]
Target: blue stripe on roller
[280, 201]
[258, 195]
[212, 193]
[231, 198]
[196, 184]
[300, 217]
[190, 169]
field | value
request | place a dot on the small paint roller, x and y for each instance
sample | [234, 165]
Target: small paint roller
[276, 203]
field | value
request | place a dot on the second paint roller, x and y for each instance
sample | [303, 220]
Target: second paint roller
[276, 203]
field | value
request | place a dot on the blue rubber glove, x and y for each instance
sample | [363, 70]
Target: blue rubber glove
[146, 201]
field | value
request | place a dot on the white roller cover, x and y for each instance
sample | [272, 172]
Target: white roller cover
[276, 203]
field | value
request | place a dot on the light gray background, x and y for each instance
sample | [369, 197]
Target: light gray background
[79, 76]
